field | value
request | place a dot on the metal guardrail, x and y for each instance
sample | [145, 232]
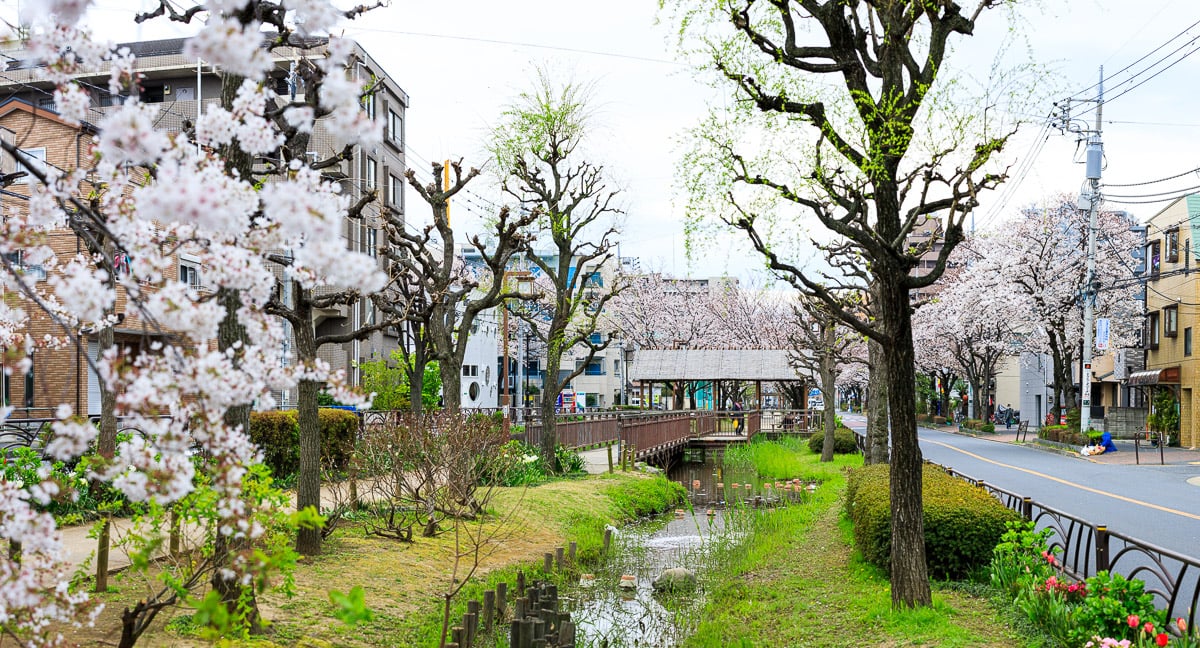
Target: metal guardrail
[1086, 548]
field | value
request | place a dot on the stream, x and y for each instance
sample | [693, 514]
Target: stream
[610, 617]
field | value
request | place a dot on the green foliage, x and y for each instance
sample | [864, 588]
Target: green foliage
[963, 523]
[351, 608]
[1074, 416]
[520, 464]
[517, 464]
[568, 460]
[1103, 612]
[277, 433]
[843, 441]
[78, 500]
[388, 380]
[1021, 557]
[1165, 417]
[988, 428]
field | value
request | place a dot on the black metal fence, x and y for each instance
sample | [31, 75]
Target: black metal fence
[1085, 548]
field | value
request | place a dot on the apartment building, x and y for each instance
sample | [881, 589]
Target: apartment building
[181, 87]
[1173, 312]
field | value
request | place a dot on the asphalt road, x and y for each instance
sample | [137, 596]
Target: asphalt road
[1153, 503]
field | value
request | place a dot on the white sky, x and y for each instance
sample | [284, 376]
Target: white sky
[461, 61]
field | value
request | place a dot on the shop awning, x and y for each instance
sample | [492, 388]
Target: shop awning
[1167, 376]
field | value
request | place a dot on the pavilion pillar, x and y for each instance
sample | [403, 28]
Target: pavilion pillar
[758, 394]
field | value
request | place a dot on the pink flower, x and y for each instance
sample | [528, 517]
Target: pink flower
[1133, 620]
[1181, 624]
[1148, 628]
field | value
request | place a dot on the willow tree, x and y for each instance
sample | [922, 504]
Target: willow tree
[539, 152]
[842, 120]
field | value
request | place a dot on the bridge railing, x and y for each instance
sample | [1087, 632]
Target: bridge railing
[1085, 548]
[647, 433]
[575, 431]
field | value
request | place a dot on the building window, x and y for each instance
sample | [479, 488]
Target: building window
[395, 128]
[29, 160]
[29, 383]
[470, 371]
[372, 242]
[1152, 331]
[370, 174]
[595, 338]
[189, 273]
[395, 190]
[1152, 254]
[1171, 321]
[1187, 341]
[1173, 245]
[35, 271]
[594, 368]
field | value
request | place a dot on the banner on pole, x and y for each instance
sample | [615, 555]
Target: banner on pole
[1102, 326]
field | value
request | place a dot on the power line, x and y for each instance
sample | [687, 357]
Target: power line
[1147, 182]
[1144, 57]
[1185, 191]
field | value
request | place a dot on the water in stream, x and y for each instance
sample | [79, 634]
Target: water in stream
[614, 618]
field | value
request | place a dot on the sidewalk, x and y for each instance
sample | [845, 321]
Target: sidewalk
[1125, 455]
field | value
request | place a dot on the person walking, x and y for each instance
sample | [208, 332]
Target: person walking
[739, 421]
[1008, 416]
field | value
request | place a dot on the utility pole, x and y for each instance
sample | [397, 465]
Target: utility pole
[1095, 157]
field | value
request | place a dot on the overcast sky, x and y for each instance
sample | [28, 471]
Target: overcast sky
[462, 61]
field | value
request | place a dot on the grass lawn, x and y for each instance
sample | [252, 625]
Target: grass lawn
[798, 582]
[403, 581]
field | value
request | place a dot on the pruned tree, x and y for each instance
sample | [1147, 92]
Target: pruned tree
[822, 345]
[537, 148]
[854, 87]
[455, 294]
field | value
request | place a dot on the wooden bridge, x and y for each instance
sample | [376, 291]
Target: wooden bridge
[659, 437]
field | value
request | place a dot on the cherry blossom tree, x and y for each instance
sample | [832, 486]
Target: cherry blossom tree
[160, 194]
[1040, 263]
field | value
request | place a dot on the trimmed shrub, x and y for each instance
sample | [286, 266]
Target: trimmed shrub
[277, 433]
[988, 428]
[843, 441]
[1055, 433]
[939, 420]
[963, 523]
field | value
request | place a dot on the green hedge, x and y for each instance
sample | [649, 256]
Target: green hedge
[277, 433]
[843, 441]
[962, 522]
[1063, 434]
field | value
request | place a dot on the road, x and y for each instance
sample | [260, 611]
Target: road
[1154, 503]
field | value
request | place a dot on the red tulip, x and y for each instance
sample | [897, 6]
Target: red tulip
[1133, 620]
[1162, 639]
[1181, 624]
[1148, 628]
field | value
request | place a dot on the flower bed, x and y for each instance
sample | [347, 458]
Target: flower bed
[1105, 611]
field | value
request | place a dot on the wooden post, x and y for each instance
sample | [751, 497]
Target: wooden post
[102, 543]
[607, 540]
[548, 565]
[456, 635]
[489, 610]
[473, 609]
[558, 559]
[469, 621]
[520, 583]
[571, 549]
[501, 600]
[610, 459]
[514, 633]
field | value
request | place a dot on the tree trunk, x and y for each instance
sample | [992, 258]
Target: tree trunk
[827, 387]
[416, 379]
[235, 597]
[909, 573]
[451, 373]
[878, 434]
[308, 483]
[550, 391]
